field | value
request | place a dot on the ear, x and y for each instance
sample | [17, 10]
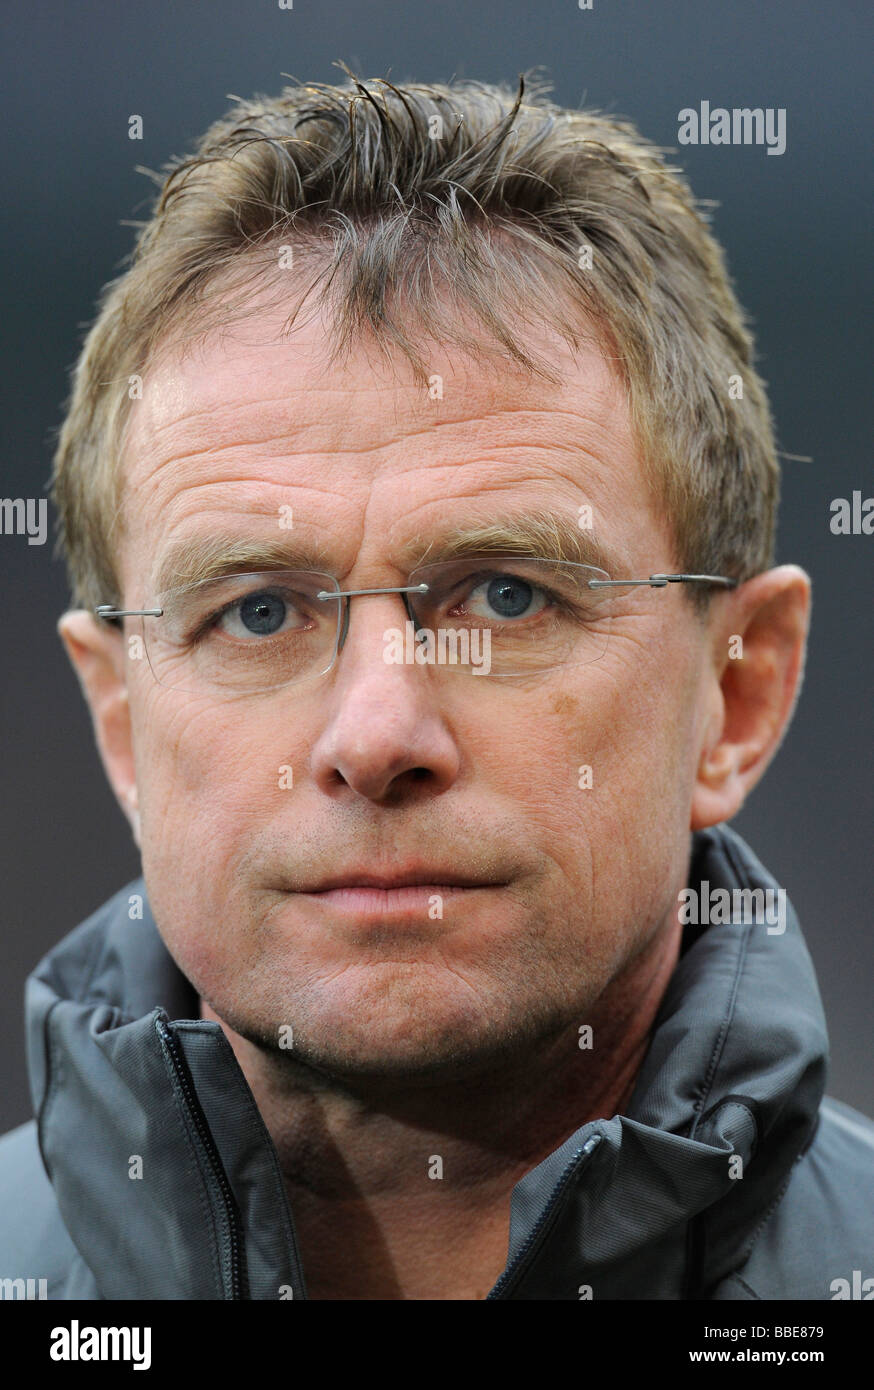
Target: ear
[754, 678]
[97, 653]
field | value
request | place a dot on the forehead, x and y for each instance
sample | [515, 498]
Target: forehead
[249, 421]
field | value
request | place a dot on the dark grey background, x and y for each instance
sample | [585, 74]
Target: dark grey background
[794, 230]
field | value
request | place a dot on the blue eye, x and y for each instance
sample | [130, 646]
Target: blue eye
[508, 596]
[259, 614]
[262, 614]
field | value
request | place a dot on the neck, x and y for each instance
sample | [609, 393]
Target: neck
[402, 1191]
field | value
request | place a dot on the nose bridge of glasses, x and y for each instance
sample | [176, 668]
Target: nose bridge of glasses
[345, 596]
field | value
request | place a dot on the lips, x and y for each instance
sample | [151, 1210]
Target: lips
[403, 878]
[405, 896]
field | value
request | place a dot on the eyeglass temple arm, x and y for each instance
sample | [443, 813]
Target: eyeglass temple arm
[107, 611]
[658, 581]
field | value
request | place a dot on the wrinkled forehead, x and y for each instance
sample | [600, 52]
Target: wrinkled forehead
[247, 420]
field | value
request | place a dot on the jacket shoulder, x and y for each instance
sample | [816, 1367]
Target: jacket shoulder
[822, 1227]
[34, 1243]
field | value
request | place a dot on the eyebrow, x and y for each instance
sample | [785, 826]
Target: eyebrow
[213, 557]
[547, 535]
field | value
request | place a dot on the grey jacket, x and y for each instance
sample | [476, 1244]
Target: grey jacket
[149, 1173]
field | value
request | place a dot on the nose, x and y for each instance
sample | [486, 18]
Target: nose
[383, 731]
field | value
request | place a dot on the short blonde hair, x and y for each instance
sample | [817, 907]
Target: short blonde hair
[390, 195]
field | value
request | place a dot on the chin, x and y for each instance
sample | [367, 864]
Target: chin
[392, 1024]
[385, 1060]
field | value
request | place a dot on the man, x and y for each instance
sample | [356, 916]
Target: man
[446, 977]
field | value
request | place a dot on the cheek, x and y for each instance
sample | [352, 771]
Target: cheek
[618, 760]
[204, 772]
[557, 760]
[623, 830]
[208, 780]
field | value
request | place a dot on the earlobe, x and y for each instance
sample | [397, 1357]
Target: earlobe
[757, 664]
[97, 655]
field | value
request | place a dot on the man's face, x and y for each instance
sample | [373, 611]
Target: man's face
[406, 767]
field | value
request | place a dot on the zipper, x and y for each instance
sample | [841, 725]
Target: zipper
[545, 1220]
[221, 1188]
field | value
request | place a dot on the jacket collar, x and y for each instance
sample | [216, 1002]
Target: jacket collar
[168, 1182]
